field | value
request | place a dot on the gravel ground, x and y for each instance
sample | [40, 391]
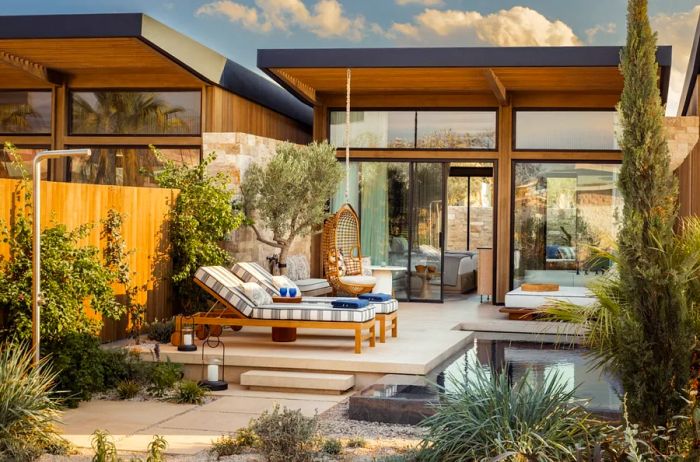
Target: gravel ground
[380, 440]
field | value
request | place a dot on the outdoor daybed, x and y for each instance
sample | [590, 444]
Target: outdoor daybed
[234, 308]
[386, 311]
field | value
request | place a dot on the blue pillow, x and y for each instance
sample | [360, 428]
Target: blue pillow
[375, 297]
[349, 303]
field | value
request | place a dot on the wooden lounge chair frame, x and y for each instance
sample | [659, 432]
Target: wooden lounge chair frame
[230, 316]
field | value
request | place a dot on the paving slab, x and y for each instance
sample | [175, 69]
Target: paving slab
[218, 422]
[256, 405]
[180, 441]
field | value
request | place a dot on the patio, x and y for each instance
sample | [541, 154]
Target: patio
[429, 334]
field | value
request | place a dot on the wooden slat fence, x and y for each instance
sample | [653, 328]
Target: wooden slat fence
[145, 229]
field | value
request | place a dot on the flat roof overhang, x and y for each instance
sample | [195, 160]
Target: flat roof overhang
[126, 50]
[310, 72]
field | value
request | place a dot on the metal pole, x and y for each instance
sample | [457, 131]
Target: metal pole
[36, 240]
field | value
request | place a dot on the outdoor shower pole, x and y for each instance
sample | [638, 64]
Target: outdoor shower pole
[36, 239]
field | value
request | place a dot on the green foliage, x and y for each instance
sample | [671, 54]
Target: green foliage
[116, 259]
[72, 276]
[190, 392]
[225, 445]
[488, 418]
[289, 194]
[119, 365]
[356, 442]
[202, 217]
[163, 377]
[247, 438]
[78, 360]
[27, 409]
[128, 389]
[160, 331]
[332, 446]
[104, 447]
[156, 449]
[286, 435]
[658, 320]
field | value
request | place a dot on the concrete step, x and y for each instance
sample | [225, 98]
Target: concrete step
[297, 381]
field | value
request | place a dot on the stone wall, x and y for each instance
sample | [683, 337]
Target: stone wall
[481, 230]
[235, 152]
[682, 135]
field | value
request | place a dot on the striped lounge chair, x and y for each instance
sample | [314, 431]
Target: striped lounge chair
[386, 312]
[234, 308]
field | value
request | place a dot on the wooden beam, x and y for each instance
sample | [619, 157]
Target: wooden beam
[38, 71]
[305, 90]
[497, 87]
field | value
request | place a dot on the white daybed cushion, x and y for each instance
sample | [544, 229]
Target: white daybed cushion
[361, 280]
[313, 286]
[253, 272]
[519, 298]
[257, 294]
[284, 281]
[386, 307]
[221, 281]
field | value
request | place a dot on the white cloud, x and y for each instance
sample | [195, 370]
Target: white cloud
[516, 26]
[609, 28]
[326, 20]
[420, 2]
[678, 31]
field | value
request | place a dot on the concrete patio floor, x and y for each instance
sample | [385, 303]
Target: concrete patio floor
[188, 429]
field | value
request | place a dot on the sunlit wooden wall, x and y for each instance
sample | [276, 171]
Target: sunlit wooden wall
[144, 229]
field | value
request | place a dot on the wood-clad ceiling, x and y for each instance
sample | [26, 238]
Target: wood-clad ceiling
[372, 80]
[94, 62]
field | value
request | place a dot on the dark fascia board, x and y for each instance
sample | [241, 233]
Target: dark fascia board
[203, 62]
[582, 56]
[691, 74]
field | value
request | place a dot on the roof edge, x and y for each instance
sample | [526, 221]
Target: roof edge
[690, 73]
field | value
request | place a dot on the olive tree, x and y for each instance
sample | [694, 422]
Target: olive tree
[289, 194]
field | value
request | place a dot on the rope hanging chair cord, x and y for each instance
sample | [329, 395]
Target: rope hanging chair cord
[347, 135]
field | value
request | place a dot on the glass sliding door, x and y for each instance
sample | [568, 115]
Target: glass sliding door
[427, 207]
[563, 211]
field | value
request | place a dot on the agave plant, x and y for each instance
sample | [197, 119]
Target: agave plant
[27, 408]
[490, 419]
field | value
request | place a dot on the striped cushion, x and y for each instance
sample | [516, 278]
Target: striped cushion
[312, 285]
[222, 282]
[312, 312]
[252, 272]
[386, 307]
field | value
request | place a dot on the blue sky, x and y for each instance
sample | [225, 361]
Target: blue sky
[237, 28]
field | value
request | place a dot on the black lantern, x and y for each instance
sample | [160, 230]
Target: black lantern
[213, 369]
[186, 334]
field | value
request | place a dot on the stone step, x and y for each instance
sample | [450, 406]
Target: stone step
[297, 381]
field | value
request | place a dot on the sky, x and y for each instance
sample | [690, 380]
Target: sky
[237, 28]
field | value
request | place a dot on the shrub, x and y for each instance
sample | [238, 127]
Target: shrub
[128, 389]
[225, 445]
[247, 438]
[156, 449]
[163, 377]
[190, 392]
[286, 435]
[332, 446]
[78, 360]
[488, 419]
[202, 217]
[72, 275]
[160, 331]
[104, 447]
[357, 442]
[27, 409]
[120, 365]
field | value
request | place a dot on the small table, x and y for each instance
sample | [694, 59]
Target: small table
[384, 276]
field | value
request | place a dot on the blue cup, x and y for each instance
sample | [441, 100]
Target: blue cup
[283, 291]
[292, 292]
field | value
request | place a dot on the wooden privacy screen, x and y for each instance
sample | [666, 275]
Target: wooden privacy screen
[145, 230]
[689, 183]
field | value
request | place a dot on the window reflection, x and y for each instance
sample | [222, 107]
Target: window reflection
[375, 129]
[562, 212]
[25, 112]
[456, 130]
[566, 130]
[136, 112]
[126, 166]
[24, 157]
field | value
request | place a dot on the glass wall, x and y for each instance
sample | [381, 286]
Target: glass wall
[561, 212]
[575, 130]
[125, 166]
[11, 169]
[416, 129]
[25, 112]
[135, 113]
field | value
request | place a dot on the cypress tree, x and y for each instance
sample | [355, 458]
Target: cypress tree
[657, 333]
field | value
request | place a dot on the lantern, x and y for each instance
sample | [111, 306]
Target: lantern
[187, 334]
[213, 368]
